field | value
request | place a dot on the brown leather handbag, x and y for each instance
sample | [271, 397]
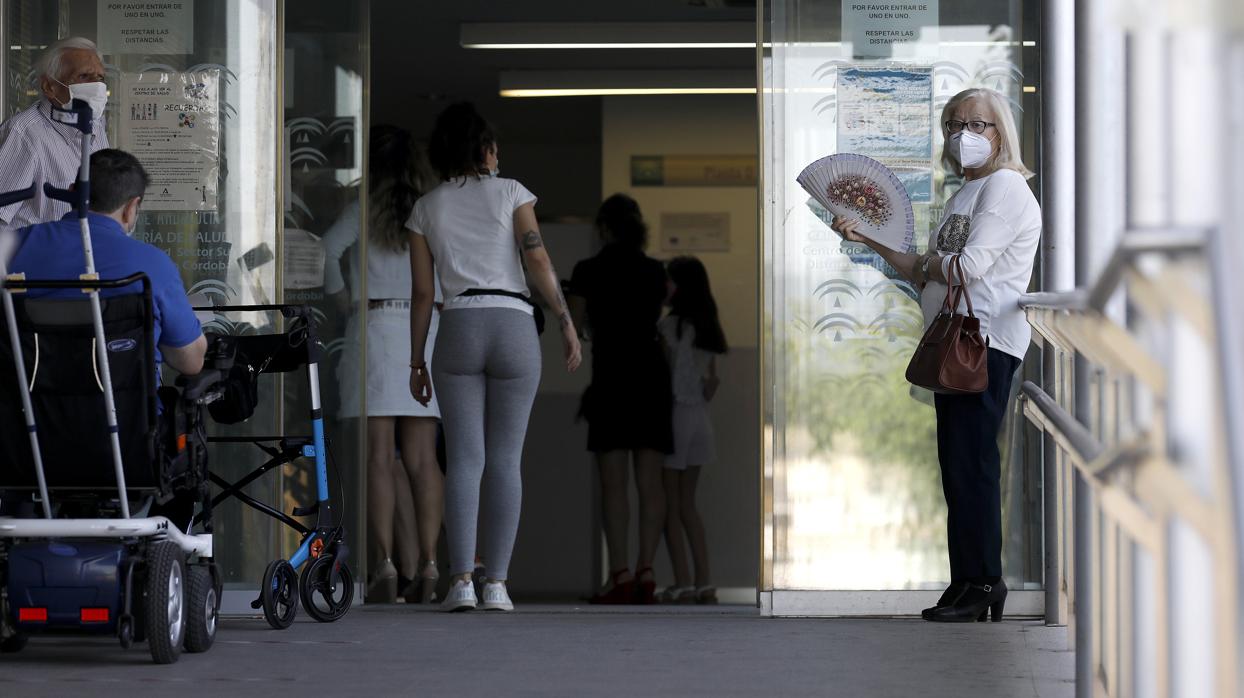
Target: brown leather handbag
[952, 356]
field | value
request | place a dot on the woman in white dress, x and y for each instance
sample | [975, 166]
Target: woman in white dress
[409, 490]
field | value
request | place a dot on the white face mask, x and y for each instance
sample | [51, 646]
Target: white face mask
[496, 170]
[93, 93]
[970, 149]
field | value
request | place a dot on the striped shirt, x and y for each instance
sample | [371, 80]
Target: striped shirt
[35, 149]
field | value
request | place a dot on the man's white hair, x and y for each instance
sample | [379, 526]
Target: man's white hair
[49, 65]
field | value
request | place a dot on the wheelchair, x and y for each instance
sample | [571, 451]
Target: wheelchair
[95, 526]
[113, 553]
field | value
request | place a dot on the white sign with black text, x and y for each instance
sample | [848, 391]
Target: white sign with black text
[890, 29]
[149, 27]
[171, 123]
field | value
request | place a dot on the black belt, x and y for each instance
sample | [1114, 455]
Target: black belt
[537, 312]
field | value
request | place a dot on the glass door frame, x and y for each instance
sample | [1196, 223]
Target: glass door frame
[774, 599]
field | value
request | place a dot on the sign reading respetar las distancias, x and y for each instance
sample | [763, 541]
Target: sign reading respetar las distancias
[154, 27]
[891, 28]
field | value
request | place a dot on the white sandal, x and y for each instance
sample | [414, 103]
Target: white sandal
[676, 595]
[383, 585]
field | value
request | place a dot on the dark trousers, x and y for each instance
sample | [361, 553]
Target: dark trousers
[967, 449]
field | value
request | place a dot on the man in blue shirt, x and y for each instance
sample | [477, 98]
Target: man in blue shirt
[54, 251]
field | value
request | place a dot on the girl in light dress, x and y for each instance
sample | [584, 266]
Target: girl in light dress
[694, 338]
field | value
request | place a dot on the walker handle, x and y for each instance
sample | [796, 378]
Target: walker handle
[12, 197]
[79, 197]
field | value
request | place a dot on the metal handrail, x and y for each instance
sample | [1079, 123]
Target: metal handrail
[1116, 481]
[1134, 243]
[1061, 300]
[1086, 448]
[1089, 455]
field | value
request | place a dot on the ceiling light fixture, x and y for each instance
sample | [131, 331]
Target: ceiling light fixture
[624, 91]
[644, 36]
[605, 83]
[608, 35]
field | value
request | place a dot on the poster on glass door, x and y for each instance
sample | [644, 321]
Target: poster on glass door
[886, 113]
[171, 123]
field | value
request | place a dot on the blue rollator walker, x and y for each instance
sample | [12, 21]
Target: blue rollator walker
[325, 585]
[97, 561]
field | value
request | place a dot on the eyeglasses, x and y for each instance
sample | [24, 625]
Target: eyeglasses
[955, 126]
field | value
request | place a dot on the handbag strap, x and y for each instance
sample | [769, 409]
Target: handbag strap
[957, 292]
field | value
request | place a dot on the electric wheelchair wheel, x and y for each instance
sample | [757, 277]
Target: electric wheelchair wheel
[125, 633]
[14, 643]
[202, 608]
[164, 603]
[323, 600]
[279, 594]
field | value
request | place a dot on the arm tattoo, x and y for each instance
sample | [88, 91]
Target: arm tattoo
[563, 308]
[532, 241]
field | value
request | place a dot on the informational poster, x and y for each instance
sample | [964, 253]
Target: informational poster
[153, 27]
[171, 123]
[891, 29]
[304, 260]
[695, 232]
[886, 113]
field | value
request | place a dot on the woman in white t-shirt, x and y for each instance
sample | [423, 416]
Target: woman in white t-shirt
[487, 356]
[405, 496]
[993, 224]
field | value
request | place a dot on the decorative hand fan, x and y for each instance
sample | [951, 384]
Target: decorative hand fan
[859, 187]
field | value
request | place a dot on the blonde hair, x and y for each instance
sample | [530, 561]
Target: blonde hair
[1007, 157]
[399, 175]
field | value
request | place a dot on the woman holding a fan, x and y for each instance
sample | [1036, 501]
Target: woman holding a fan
[990, 231]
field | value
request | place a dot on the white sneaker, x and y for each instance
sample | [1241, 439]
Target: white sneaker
[496, 598]
[461, 597]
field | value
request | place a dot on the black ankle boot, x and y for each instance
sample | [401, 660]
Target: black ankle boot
[947, 598]
[973, 603]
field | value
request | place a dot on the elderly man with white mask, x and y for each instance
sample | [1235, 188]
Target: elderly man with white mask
[34, 148]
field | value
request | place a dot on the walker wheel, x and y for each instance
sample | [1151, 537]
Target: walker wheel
[279, 595]
[324, 600]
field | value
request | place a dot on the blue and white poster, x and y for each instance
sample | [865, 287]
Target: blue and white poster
[886, 113]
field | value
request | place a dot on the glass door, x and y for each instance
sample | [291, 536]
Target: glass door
[854, 518]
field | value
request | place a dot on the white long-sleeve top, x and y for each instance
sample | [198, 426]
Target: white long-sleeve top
[388, 271]
[994, 224]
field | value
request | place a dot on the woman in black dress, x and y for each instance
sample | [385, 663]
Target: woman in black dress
[617, 298]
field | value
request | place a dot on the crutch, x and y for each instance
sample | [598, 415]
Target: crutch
[79, 116]
[19, 360]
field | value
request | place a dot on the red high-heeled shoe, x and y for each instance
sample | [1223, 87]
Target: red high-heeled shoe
[645, 589]
[619, 592]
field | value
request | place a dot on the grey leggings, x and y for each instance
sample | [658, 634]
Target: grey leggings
[485, 373]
